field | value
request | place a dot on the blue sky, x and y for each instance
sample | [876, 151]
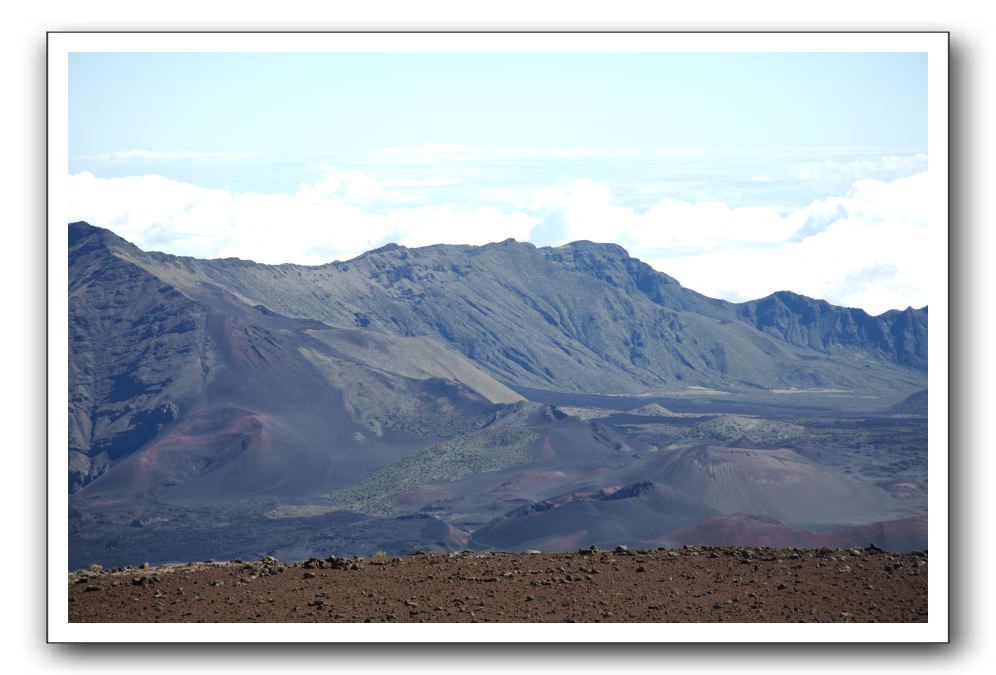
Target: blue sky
[464, 148]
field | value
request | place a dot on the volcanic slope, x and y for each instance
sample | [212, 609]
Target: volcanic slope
[521, 453]
[582, 317]
[715, 493]
[201, 397]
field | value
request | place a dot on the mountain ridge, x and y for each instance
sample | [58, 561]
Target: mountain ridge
[80, 229]
[578, 302]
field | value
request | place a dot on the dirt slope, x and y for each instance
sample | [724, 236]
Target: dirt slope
[692, 584]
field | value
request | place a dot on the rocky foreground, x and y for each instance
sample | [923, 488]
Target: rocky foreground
[691, 584]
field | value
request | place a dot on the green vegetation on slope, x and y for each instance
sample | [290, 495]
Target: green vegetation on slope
[490, 449]
[733, 427]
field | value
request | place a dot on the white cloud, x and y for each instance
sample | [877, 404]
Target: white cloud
[867, 248]
[320, 222]
[431, 149]
[441, 152]
[835, 170]
[157, 156]
[872, 250]
[421, 182]
[587, 211]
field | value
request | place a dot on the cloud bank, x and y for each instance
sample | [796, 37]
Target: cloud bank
[866, 248]
[172, 156]
[322, 221]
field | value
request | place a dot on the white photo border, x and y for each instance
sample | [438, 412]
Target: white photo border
[934, 44]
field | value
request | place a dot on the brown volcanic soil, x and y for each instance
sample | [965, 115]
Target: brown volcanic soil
[692, 584]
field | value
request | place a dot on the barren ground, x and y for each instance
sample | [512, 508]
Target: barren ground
[692, 584]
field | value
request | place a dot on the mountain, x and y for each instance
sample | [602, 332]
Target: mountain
[582, 317]
[802, 321]
[169, 391]
[226, 393]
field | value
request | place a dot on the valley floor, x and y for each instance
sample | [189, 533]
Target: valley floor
[691, 584]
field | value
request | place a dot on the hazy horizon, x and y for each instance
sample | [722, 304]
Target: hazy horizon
[737, 174]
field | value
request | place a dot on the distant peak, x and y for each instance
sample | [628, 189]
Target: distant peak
[82, 230]
[587, 245]
[387, 247]
[508, 243]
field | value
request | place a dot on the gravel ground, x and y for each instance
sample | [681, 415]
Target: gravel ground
[692, 584]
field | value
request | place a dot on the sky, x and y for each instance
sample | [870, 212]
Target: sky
[737, 174]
